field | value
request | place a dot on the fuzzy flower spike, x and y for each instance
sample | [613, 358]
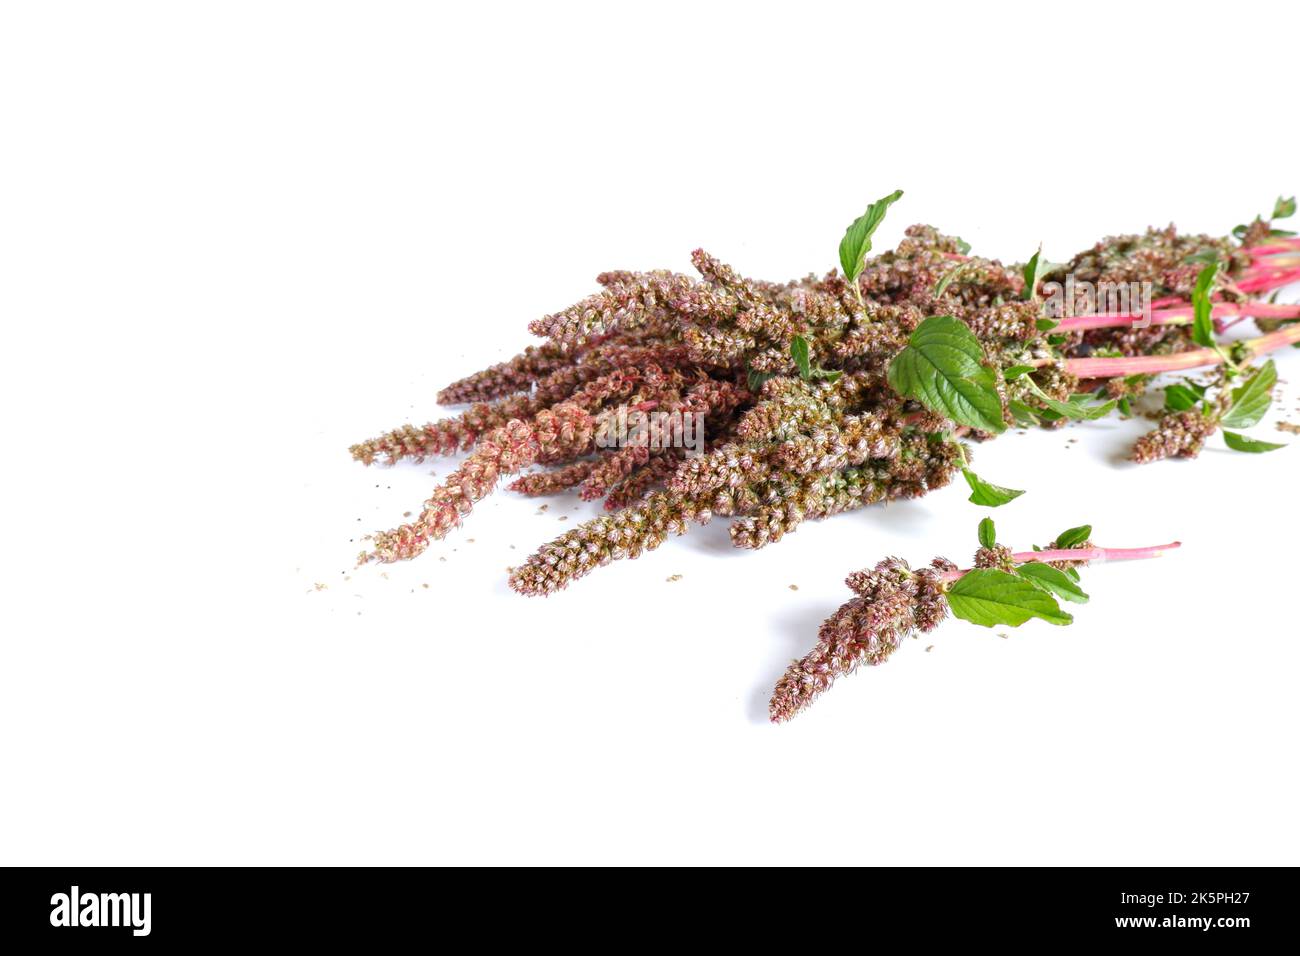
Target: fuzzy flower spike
[893, 602]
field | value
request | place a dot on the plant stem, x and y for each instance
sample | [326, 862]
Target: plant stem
[1080, 554]
[1280, 245]
[1181, 316]
[1155, 364]
[1264, 280]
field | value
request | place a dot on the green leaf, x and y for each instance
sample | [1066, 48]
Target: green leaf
[1179, 398]
[987, 494]
[941, 368]
[988, 534]
[799, 352]
[1084, 413]
[990, 598]
[1032, 270]
[1074, 536]
[1203, 323]
[1207, 256]
[1125, 407]
[1053, 581]
[1023, 414]
[1016, 371]
[1046, 324]
[1253, 445]
[942, 285]
[962, 246]
[1284, 208]
[1075, 410]
[755, 379]
[857, 238]
[1251, 400]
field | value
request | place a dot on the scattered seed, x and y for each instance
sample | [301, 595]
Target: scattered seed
[674, 577]
[425, 585]
[794, 587]
[929, 649]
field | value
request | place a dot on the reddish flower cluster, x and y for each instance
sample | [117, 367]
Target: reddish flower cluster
[892, 602]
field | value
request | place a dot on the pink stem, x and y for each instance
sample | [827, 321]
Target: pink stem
[1261, 310]
[1155, 364]
[1281, 245]
[1182, 315]
[1079, 554]
[1264, 281]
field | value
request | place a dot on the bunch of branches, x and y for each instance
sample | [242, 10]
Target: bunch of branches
[831, 393]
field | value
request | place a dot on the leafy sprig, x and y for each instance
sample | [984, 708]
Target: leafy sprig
[1283, 208]
[946, 280]
[984, 492]
[1249, 404]
[1076, 409]
[856, 243]
[1030, 589]
[1033, 272]
[1203, 308]
[801, 353]
[1244, 407]
[1251, 399]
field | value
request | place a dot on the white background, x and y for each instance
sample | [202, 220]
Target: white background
[236, 238]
